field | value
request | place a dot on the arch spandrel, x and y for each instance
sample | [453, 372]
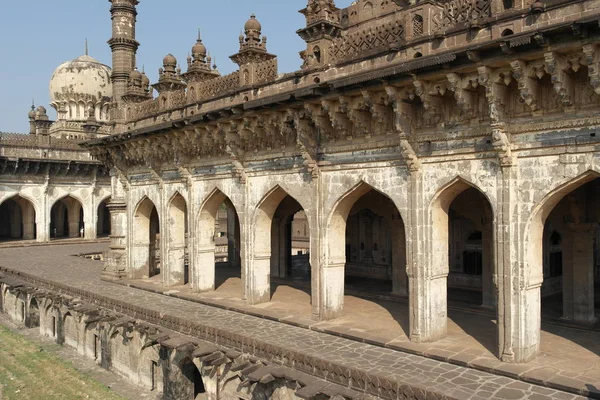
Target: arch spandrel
[396, 191]
[301, 193]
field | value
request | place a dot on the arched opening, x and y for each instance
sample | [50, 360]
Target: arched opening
[33, 317]
[176, 265]
[366, 249]
[470, 249]
[66, 219]
[17, 219]
[191, 385]
[145, 257]
[275, 251]
[418, 25]
[317, 54]
[103, 224]
[462, 263]
[375, 246]
[569, 256]
[217, 258]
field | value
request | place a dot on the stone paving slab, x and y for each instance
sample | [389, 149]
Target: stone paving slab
[274, 341]
[568, 354]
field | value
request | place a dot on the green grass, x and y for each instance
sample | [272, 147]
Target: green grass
[29, 372]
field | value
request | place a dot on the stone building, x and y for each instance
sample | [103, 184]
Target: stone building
[50, 187]
[430, 144]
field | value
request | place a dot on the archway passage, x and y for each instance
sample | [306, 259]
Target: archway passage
[17, 219]
[217, 259]
[145, 257]
[103, 224]
[470, 249]
[66, 219]
[290, 242]
[176, 264]
[461, 262]
[192, 386]
[275, 253]
[365, 248]
[375, 247]
[570, 249]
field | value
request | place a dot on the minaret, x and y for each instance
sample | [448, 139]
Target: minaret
[123, 44]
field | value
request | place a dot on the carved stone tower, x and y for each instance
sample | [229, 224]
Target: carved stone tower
[322, 27]
[124, 47]
[253, 51]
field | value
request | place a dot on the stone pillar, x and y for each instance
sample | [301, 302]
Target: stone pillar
[115, 260]
[16, 219]
[233, 238]
[74, 214]
[488, 285]
[567, 276]
[276, 243]
[427, 269]
[28, 219]
[400, 278]
[519, 286]
[579, 289]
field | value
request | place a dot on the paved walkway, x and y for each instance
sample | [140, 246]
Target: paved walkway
[55, 263]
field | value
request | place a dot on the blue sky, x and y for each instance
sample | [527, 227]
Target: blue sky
[38, 35]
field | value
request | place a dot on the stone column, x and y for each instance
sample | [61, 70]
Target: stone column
[400, 278]
[488, 280]
[276, 247]
[427, 287]
[115, 260]
[519, 294]
[74, 213]
[582, 255]
[16, 218]
[233, 238]
[59, 221]
[567, 276]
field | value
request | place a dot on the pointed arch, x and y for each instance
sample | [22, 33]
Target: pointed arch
[534, 228]
[67, 217]
[145, 236]
[454, 193]
[277, 200]
[176, 239]
[204, 268]
[18, 216]
[362, 196]
[103, 221]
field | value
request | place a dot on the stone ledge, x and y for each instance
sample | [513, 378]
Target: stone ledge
[520, 372]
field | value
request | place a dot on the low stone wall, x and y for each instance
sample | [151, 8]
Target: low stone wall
[154, 358]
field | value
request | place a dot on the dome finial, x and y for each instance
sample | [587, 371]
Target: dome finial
[87, 53]
[199, 36]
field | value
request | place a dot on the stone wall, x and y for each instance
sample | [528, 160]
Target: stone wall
[154, 358]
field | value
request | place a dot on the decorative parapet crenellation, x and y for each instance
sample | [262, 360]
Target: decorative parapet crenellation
[457, 12]
[218, 86]
[266, 71]
[358, 43]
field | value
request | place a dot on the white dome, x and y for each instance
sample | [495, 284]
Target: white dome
[79, 85]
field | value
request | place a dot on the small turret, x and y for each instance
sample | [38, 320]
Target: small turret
[322, 27]
[199, 68]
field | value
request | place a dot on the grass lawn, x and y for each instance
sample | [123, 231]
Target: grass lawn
[29, 372]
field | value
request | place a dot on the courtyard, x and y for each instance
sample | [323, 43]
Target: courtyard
[569, 360]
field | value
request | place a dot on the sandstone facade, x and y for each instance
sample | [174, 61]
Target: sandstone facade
[426, 112]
